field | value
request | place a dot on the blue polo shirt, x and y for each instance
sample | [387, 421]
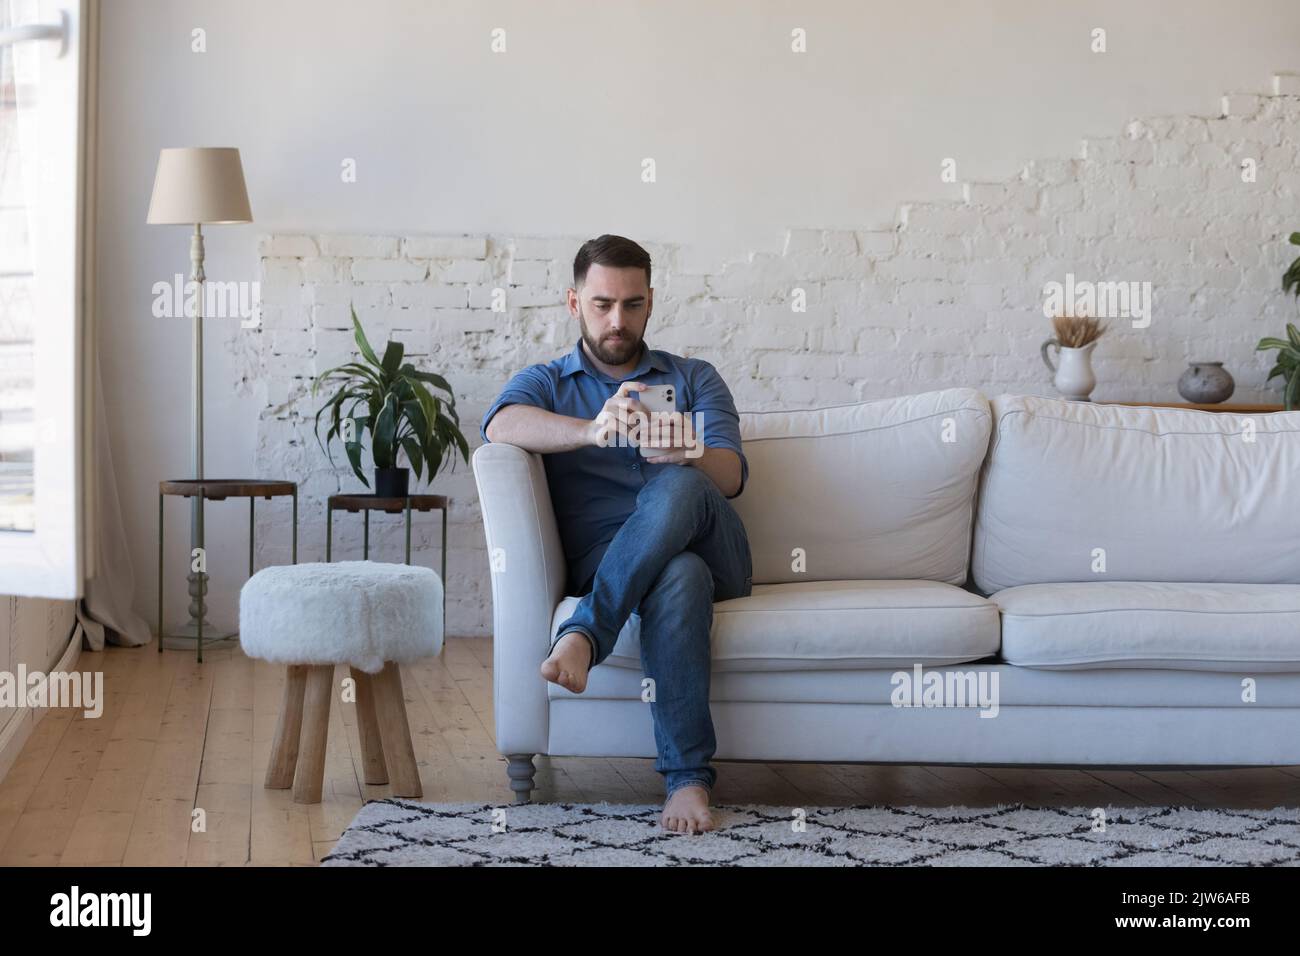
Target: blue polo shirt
[594, 489]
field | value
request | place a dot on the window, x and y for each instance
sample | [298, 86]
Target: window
[42, 264]
[18, 74]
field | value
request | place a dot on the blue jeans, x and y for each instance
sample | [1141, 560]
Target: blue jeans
[682, 548]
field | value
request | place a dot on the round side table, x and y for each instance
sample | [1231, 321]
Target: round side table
[219, 489]
[393, 506]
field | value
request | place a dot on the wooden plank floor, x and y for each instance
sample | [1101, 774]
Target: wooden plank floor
[172, 772]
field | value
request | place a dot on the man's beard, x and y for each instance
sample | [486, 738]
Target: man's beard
[611, 351]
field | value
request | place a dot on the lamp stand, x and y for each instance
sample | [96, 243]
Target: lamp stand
[188, 634]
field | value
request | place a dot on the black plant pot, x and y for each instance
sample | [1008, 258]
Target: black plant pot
[392, 482]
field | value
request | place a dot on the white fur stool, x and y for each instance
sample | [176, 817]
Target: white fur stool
[365, 614]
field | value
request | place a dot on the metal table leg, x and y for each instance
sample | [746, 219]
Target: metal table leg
[444, 576]
[408, 530]
[295, 523]
[365, 546]
[203, 574]
[329, 530]
[252, 504]
[160, 571]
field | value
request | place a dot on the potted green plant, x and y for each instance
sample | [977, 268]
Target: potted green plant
[1288, 356]
[392, 400]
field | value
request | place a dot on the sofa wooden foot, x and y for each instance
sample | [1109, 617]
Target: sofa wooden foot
[520, 770]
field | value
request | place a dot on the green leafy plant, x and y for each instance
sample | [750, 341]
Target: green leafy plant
[1288, 356]
[1288, 363]
[392, 400]
[1291, 278]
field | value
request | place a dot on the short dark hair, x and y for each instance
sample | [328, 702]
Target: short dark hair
[614, 251]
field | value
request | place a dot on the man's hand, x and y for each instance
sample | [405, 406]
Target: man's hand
[722, 465]
[611, 426]
[676, 435]
[537, 430]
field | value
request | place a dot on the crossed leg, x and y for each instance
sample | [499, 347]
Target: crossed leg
[682, 548]
[676, 616]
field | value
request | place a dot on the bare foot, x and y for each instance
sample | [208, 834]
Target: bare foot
[687, 810]
[569, 662]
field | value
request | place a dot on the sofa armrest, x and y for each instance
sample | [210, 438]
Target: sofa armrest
[528, 580]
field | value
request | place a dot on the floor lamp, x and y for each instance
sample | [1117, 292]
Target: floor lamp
[195, 186]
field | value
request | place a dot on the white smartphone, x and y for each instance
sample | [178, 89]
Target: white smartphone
[656, 398]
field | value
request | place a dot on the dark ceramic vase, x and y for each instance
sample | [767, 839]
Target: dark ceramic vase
[1206, 383]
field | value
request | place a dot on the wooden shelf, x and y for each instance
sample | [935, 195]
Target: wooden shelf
[1239, 409]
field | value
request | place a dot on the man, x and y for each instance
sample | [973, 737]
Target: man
[651, 536]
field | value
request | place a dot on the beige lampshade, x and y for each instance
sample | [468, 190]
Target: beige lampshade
[199, 185]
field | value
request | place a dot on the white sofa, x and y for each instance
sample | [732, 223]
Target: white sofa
[1123, 584]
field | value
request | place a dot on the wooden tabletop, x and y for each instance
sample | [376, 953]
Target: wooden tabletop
[393, 506]
[218, 489]
[1239, 409]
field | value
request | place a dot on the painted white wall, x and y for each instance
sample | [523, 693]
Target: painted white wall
[34, 635]
[548, 139]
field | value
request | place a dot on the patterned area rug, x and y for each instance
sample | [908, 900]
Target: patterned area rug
[404, 833]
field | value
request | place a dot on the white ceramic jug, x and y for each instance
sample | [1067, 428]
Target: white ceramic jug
[1072, 375]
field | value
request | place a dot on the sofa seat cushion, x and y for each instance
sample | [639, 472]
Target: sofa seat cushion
[1211, 627]
[835, 625]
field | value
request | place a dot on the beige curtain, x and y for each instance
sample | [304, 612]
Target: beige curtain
[105, 612]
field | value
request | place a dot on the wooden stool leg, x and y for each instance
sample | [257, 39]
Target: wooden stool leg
[390, 710]
[372, 747]
[308, 781]
[284, 751]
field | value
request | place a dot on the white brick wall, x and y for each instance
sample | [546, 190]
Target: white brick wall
[951, 296]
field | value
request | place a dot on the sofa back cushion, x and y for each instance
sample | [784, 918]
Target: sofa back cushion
[1074, 491]
[876, 490]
